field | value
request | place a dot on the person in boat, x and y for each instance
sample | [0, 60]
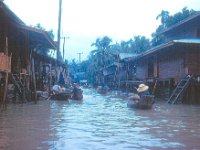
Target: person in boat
[58, 89]
[102, 89]
[61, 79]
[77, 92]
[141, 91]
[105, 88]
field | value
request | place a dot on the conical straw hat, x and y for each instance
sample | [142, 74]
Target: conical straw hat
[142, 88]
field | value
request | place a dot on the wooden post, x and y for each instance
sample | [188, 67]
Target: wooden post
[1, 92]
[6, 79]
[5, 91]
[34, 81]
[22, 77]
[118, 73]
[127, 76]
[50, 82]
[15, 96]
[26, 67]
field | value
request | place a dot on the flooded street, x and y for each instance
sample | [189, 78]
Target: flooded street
[98, 123]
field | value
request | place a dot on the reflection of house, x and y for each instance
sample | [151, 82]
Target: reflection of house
[21, 42]
[174, 60]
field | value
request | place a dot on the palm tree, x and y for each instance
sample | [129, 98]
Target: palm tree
[164, 15]
[101, 52]
[100, 57]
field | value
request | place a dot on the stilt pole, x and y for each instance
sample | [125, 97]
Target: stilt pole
[6, 80]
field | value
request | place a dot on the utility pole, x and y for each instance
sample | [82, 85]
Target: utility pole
[64, 38]
[64, 48]
[79, 56]
[59, 26]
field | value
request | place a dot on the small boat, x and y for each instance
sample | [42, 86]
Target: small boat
[61, 94]
[102, 89]
[77, 94]
[64, 96]
[145, 102]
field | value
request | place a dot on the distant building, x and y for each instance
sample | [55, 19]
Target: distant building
[114, 74]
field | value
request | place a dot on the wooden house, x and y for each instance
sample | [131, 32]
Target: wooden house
[173, 64]
[110, 74]
[18, 45]
[116, 73]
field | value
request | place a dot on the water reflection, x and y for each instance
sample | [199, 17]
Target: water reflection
[98, 123]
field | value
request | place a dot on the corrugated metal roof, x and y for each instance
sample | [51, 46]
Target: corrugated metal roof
[166, 45]
[194, 40]
[126, 55]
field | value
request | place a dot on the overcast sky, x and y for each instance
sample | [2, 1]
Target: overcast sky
[85, 20]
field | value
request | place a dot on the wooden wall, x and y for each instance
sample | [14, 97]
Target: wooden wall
[141, 69]
[171, 65]
[193, 61]
[166, 65]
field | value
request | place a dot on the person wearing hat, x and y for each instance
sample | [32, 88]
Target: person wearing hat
[141, 91]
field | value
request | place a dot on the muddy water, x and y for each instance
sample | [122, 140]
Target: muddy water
[98, 123]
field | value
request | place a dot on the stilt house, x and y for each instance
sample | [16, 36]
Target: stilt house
[173, 68]
[115, 74]
[18, 54]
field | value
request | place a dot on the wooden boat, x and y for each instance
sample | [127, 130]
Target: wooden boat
[145, 102]
[102, 90]
[64, 95]
[61, 96]
[77, 94]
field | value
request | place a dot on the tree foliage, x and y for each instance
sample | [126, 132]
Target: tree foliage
[102, 52]
[167, 21]
[42, 50]
[50, 32]
[140, 44]
[105, 51]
